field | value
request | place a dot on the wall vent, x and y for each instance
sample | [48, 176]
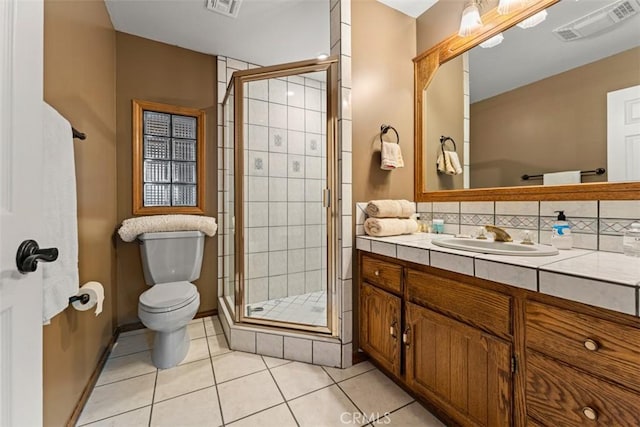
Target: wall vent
[228, 8]
[598, 21]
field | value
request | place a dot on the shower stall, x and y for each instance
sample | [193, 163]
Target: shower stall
[279, 170]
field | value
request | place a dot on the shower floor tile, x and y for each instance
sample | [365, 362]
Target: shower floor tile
[308, 309]
[209, 391]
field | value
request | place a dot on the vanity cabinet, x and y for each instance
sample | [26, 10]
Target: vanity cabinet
[580, 368]
[447, 341]
[480, 353]
[459, 366]
[380, 326]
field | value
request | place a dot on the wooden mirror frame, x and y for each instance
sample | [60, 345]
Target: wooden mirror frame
[425, 66]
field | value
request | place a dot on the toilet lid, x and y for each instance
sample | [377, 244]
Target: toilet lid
[168, 296]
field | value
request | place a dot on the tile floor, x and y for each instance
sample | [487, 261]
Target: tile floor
[215, 386]
[310, 309]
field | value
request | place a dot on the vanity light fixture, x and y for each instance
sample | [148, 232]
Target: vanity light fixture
[493, 41]
[507, 6]
[534, 20]
[470, 20]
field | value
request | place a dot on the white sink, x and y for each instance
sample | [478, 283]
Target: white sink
[497, 248]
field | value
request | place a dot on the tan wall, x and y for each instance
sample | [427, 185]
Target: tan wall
[153, 71]
[438, 22]
[79, 81]
[383, 46]
[562, 125]
[444, 115]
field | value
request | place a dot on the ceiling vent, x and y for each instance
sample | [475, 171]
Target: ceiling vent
[228, 8]
[598, 21]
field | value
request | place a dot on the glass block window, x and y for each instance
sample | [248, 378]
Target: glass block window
[168, 161]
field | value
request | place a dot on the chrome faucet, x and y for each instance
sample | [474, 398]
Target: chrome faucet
[501, 235]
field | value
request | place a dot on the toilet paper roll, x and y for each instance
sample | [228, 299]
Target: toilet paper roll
[95, 290]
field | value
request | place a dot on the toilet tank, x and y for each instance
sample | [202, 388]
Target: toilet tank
[171, 256]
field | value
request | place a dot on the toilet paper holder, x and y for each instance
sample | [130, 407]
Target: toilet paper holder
[83, 298]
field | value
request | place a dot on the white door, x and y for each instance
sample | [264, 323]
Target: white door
[623, 134]
[21, 59]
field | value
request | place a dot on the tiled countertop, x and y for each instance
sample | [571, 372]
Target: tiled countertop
[602, 279]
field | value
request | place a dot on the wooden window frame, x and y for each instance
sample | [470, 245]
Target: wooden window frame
[138, 108]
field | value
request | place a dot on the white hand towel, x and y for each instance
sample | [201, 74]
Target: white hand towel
[455, 162]
[133, 227]
[60, 278]
[380, 227]
[390, 208]
[449, 163]
[391, 156]
[557, 178]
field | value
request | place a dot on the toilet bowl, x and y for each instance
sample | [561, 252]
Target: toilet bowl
[167, 309]
[170, 260]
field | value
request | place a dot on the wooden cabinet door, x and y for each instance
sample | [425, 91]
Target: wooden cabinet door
[460, 368]
[380, 326]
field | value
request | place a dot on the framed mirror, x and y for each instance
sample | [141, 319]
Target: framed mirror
[505, 146]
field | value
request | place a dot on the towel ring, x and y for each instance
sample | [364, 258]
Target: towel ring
[444, 139]
[385, 128]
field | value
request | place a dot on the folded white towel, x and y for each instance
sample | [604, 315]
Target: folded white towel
[380, 227]
[391, 156]
[449, 163]
[133, 227]
[60, 278]
[390, 208]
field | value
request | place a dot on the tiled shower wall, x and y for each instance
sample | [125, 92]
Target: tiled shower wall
[330, 351]
[595, 225]
[285, 160]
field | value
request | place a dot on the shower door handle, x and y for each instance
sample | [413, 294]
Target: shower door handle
[326, 198]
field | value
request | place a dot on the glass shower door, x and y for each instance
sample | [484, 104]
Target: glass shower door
[287, 173]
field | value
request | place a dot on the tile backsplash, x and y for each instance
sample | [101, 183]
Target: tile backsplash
[595, 225]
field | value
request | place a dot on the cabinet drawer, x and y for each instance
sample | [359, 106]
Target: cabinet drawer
[479, 307]
[384, 274]
[559, 395]
[598, 346]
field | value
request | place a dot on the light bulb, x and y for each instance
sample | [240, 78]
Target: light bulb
[470, 20]
[493, 41]
[507, 6]
[534, 20]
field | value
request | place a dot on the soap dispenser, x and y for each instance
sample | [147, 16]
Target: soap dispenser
[561, 237]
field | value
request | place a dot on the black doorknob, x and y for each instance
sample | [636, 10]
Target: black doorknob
[29, 253]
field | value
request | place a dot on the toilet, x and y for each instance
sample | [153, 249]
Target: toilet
[170, 260]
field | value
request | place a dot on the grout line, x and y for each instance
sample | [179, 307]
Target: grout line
[286, 402]
[113, 416]
[215, 384]
[155, 385]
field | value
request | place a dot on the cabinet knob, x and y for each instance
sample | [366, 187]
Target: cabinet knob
[377, 272]
[392, 329]
[590, 413]
[591, 345]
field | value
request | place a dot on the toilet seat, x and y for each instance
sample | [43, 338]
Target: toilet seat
[165, 297]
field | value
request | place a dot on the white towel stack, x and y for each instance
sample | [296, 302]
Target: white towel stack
[390, 218]
[449, 163]
[60, 278]
[391, 156]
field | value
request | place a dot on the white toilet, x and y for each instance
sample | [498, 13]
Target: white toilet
[170, 260]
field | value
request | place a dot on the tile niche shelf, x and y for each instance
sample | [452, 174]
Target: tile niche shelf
[168, 159]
